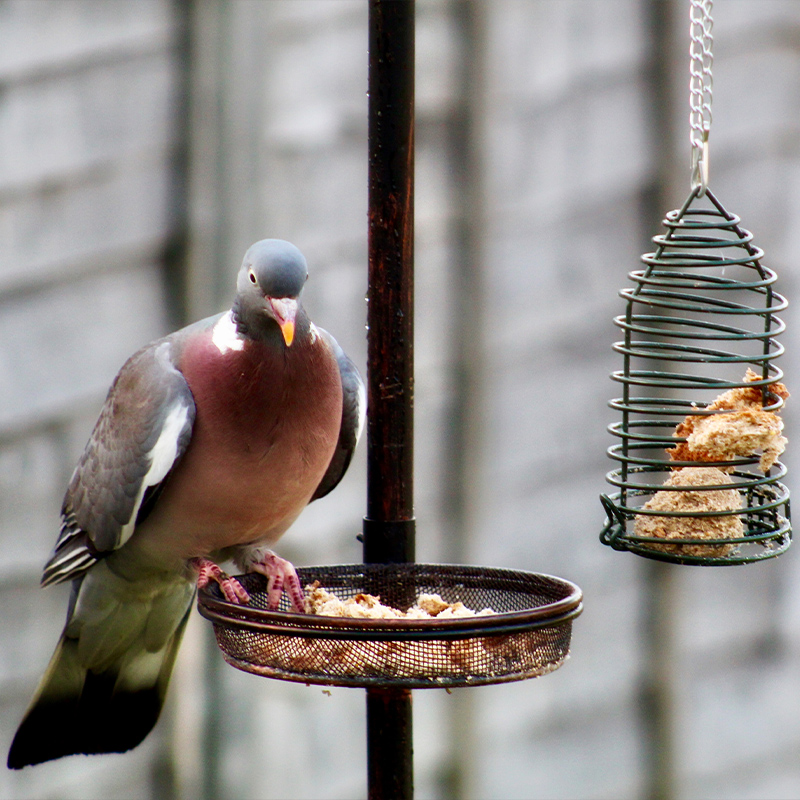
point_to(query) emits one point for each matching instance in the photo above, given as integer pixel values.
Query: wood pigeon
(211, 442)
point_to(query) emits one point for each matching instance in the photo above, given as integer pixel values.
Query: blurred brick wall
(570, 161)
(87, 130)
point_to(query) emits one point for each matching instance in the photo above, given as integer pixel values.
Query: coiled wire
(699, 314)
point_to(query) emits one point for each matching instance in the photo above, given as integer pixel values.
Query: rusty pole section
(389, 523)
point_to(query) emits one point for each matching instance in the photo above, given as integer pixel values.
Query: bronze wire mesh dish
(527, 637)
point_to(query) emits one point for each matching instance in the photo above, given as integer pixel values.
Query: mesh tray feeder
(528, 636)
(698, 316)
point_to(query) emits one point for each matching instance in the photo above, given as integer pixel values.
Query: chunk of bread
(369, 606)
(740, 428)
(694, 498)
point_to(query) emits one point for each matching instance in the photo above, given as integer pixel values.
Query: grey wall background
(147, 143)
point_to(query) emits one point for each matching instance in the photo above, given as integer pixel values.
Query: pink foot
(208, 571)
(281, 577)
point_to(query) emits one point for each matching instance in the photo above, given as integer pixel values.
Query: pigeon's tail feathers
(110, 709)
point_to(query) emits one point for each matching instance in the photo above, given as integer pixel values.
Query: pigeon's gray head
(270, 281)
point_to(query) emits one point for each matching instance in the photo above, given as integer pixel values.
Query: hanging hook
(700, 163)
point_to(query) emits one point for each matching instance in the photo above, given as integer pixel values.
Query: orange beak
(284, 310)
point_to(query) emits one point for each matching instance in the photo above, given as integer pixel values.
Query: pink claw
(208, 571)
(281, 577)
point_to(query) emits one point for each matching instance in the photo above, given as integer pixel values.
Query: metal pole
(389, 523)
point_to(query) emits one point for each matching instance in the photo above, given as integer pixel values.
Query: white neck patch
(225, 336)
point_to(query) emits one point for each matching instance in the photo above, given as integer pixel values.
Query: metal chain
(700, 88)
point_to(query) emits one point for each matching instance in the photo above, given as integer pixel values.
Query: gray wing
(354, 408)
(143, 430)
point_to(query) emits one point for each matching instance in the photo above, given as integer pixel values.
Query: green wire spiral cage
(700, 313)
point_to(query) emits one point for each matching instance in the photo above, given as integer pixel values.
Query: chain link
(700, 88)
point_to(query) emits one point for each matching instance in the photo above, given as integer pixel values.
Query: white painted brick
(35, 37)
(594, 757)
(52, 232)
(539, 50)
(265, 724)
(31, 625)
(311, 102)
(31, 490)
(290, 18)
(774, 778)
(321, 193)
(126, 775)
(587, 145)
(736, 710)
(744, 17)
(768, 78)
(436, 56)
(66, 343)
(74, 122)
(568, 155)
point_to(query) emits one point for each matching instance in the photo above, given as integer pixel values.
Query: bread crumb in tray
(368, 606)
(429, 660)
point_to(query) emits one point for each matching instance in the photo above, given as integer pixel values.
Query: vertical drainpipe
(389, 522)
(198, 689)
(464, 441)
(660, 589)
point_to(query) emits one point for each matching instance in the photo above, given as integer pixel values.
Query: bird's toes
(208, 571)
(234, 591)
(281, 577)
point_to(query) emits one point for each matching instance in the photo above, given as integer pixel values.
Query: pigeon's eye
(252, 277)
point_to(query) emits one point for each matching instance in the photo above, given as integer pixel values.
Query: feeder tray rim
(427, 630)
(289, 623)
